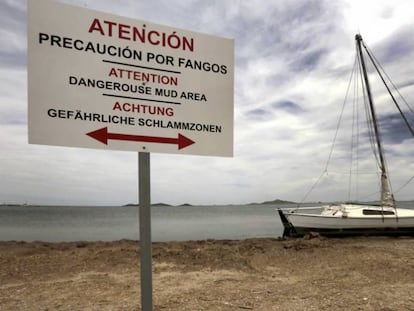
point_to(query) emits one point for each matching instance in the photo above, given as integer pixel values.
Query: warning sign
(97, 80)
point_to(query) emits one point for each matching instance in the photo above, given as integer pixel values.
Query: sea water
(169, 223)
(109, 223)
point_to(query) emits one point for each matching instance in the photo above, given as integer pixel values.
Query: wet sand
(375, 273)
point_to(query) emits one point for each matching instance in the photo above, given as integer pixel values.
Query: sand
(375, 273)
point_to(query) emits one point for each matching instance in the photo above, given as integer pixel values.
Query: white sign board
(97, 80)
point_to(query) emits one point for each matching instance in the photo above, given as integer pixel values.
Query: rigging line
(354, 112)
(399, 109)
(389, 91)
(386, 196)
(369, 121)
(369, 125)
(371, 136)
(389, 79)
(357, 141)
(368, 118)
(369, 195)
(341, 114)
(354, 171)
(346, 172)
(401, 96)
(313, 187)
(405, 184)
(325, 171)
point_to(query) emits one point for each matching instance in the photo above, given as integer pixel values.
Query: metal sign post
(145, 230)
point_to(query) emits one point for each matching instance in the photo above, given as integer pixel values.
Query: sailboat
(383, 218)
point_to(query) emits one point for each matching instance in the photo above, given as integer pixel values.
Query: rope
(325, 171)
(389, 79)
(405, 184)
(389, 91)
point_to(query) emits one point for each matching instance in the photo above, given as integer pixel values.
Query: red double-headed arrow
(102, 135)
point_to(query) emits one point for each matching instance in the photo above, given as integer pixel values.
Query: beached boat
(385, 218)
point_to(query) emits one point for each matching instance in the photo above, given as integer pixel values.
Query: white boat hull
(350, 220)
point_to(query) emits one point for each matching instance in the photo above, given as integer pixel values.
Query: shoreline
(358, 273)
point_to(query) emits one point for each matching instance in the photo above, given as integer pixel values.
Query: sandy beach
(375, 273)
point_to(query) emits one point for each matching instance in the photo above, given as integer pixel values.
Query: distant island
(276, 201)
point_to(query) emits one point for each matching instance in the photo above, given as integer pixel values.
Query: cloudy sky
(293, 60)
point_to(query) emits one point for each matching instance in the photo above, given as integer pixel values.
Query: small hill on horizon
(276, 201)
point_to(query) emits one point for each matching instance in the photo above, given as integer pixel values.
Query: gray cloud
(12, 34)
(258, 113)
(308, 61)
(394, 130)
(13, 15)
(288, 106)
(13, 60)
(396, 46)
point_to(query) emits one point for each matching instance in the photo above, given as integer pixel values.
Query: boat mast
(386, 195)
